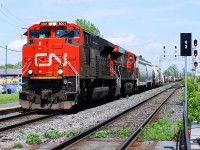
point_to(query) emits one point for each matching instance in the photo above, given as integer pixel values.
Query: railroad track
(16, 121)
(134, 119)
(17, 116)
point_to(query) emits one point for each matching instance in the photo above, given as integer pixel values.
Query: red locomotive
(64, 65)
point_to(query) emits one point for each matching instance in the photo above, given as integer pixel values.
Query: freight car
(64, 65)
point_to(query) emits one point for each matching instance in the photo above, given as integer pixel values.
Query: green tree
(87, 25)
(18, 64)
(10, 66)
(172, 71)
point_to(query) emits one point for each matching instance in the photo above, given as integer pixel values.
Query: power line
(10, 22)
(10, 49)
(8, 19)
(14, 16)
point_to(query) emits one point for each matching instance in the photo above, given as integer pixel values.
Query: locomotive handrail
(112, 70)
(74, 70)
(118, 81)
(26, 65)
(118, 77)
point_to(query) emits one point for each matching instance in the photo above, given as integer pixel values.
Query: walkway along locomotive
(64, 65)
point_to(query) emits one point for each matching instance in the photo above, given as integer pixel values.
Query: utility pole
(186, 47)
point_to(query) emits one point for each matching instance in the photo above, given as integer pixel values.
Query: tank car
(143, 74)
(159, 78)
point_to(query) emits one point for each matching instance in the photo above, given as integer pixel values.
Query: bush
(193, 101)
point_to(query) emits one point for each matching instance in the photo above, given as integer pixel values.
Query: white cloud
(16, 44)
(122, 39)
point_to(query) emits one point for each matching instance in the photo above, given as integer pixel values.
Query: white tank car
(144, 73)
(156, 79)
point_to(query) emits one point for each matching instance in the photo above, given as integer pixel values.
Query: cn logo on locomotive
(38, 61)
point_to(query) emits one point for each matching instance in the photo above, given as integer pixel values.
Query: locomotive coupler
(46, 97)
(45, 94)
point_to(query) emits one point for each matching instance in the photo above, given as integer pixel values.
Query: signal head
(195, 53)
(195, 43)
(195, 64)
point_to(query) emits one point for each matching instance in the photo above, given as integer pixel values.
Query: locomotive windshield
(67, 33)
(39, 34)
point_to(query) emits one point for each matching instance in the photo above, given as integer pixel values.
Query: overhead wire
(11, 18)
(10, 22)
(10, 49)
(12, 14)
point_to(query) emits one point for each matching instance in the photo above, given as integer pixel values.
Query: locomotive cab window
(39, 34)
(67, 34)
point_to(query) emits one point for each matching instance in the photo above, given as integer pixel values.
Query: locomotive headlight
(30, 72)
(54, 23)
(50, 23)
(60, 71)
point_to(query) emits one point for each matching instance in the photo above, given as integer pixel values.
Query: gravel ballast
(79, 121)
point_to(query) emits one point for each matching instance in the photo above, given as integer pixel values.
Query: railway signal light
(195, 53)
(195, 43)
(195, 64)
(186, 44)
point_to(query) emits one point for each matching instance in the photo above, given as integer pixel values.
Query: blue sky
(140, 26)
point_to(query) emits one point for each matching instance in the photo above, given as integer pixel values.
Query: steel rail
(89, 131)
(134, 134)
(27, 122)
(17, 116)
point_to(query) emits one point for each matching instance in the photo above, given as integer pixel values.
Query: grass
(170, 113)
(21, 131)
(124, 133)
(17, 145)
(161, 130)
(53, 134)
(121, 132)
(33, 138)
(72, 133)
(103, 133)
(9, 98)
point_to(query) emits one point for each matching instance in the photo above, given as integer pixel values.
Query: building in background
(13, 76)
